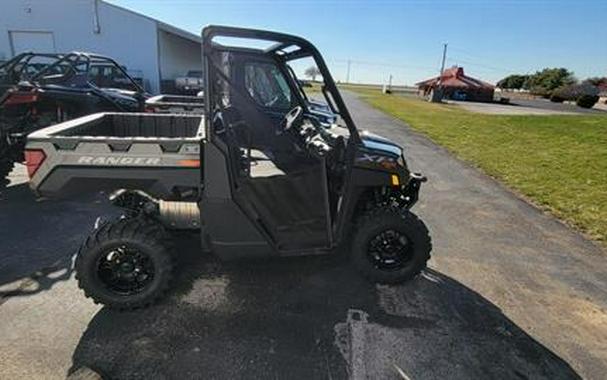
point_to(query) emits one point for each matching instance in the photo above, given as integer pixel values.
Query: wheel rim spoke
(389, 250)
(125, 270)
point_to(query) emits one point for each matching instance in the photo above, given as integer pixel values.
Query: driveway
(527, 107)
(559, 107)
(510, 293)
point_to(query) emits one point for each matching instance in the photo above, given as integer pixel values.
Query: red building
(458, 86)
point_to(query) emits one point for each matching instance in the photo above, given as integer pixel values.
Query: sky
(404, 39)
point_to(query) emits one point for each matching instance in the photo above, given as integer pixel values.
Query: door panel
(277, 184)
(291, 206)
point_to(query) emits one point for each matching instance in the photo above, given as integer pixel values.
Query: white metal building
(148, 48)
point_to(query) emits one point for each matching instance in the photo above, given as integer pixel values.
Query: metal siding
(126, 36)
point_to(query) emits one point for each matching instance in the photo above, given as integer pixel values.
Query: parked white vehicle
(191, 83)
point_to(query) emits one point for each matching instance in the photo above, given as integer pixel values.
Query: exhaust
(172, 214)
(179, 215)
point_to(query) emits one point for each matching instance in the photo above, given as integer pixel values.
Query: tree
(312, 72)
(546, 81)
(597, 81)
(513, 82)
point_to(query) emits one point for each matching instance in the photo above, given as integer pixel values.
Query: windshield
(319, 101)
(108, 76)
(311, 87)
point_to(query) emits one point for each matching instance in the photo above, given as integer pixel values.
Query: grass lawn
(559, 162)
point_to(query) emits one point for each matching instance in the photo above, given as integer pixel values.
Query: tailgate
(75, 163)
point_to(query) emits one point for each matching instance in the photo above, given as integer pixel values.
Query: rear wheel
(125, 264)
(390, 245)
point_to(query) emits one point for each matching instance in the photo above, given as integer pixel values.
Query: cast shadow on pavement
(39, 281)
(285, 319)
(39, 237)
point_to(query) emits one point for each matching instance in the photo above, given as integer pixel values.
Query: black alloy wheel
(389, 250)
(125, 270)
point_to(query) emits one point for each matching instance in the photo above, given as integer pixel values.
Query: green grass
(559, 162)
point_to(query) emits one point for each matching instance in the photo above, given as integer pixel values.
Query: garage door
(39, 42)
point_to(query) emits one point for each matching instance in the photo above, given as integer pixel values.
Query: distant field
(357, 86)
(559, 162)
(361, 87)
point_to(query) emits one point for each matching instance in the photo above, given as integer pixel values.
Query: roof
(455, 77)
(179, 32)
(162, 25)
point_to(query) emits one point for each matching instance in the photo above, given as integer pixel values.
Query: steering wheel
(294, 116)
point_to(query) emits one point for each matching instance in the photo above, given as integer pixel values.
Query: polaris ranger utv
(257, 175)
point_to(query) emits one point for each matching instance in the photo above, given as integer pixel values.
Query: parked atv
(19, 68)
(22, 67)
(74, 85)
(257, 175)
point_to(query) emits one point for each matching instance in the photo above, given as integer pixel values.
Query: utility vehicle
(189, 84)
(74, 85)
(257, 175)
(23, 66)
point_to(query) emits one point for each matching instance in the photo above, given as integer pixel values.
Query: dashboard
(318, 141)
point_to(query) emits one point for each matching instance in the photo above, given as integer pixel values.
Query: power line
(466, 52)
(384, 64)
(477, 61)
(494, 68)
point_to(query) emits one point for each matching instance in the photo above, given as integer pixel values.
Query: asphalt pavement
(527, 107)
(510, 293)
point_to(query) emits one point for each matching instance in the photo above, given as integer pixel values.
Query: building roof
(162, 25)
(455, 77)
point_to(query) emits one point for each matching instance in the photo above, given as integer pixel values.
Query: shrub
(587, 101)
(556, 98)
(574, 91)
(513, 82)
(540, 91)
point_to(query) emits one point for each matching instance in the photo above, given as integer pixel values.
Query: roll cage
(80, 63)
(284, 48)
(284, 178)
(13, 69)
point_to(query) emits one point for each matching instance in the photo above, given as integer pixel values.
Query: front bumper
(411, 189)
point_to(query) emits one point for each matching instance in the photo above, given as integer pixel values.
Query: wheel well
(381, 196)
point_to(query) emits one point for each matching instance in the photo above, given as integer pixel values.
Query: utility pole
(442, 66)
(437, 93)
(348, 72)
(387, 89)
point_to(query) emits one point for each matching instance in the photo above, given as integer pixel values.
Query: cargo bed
(155, 153)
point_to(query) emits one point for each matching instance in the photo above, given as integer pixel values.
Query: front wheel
(390, 245)
(125, 264)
